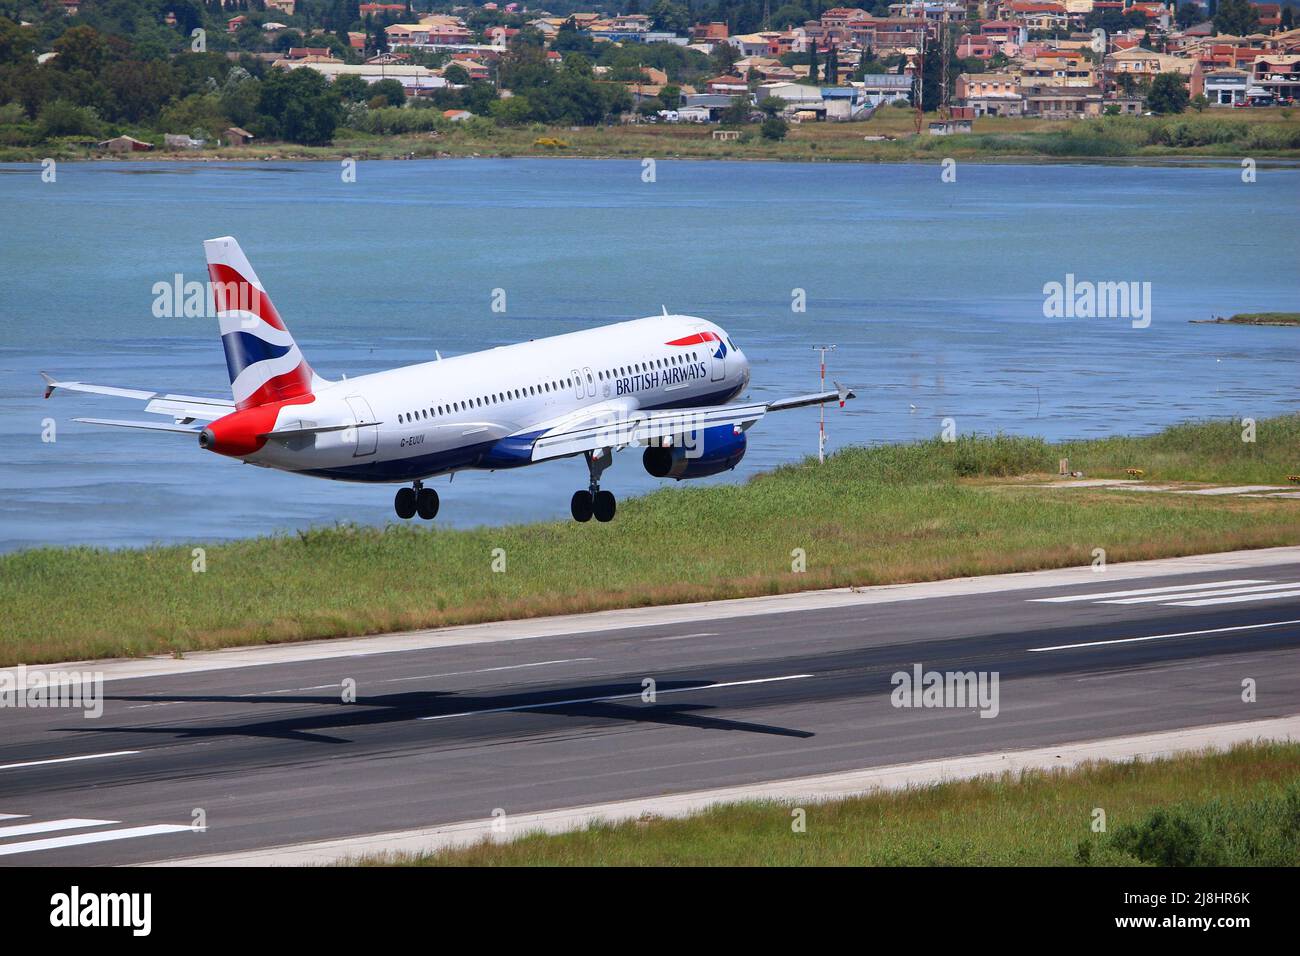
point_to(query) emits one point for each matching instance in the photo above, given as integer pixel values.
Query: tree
(391, 90)
(1168, 94)
(1189, 14)
(832, 66)
(1288, 18)
(61, 118)
(771, 105)
(456, 74)
(774, 128)
(812, 63)
(724, 58)
(16, 43)
(298, 105)
(81, 48)
(1236, 17)
(789, 15)
(351, 87)
(670, 16)
(137, 91)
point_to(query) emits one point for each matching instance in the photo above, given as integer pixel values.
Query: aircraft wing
(619, 426)
(183, 409)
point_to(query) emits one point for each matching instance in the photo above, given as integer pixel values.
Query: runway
(518, 718)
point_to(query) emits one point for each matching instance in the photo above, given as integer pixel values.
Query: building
(1279, 75)
(1147, 64)
(181, 141)
(1061, 102)
(414, 79)
(991, 94)
(950, 127)
(878, 88)
(125, 144)
(1226, 87)
(237, 137)
(1058, 71)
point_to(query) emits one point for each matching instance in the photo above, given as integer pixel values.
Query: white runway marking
(71, 823)
(596, 700)
(493, 670)
(42, 763)
(684, 637)
(1172, 590)
(1237, 600)
(13, 816)
(1158, 637)
(1173, 598)
(81, 839)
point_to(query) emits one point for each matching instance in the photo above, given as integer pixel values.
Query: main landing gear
(416, 499)
(593, 502)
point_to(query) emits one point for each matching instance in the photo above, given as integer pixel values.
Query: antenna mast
(821, 425)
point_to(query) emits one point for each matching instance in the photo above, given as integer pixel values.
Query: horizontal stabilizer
(180, 407)
(841, 395)
(147, 426)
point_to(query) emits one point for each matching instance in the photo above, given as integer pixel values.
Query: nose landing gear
(593, 502)
(416, 500)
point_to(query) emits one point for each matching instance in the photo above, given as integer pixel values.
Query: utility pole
(821, 426)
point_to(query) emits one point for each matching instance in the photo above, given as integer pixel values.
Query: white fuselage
(463, 412)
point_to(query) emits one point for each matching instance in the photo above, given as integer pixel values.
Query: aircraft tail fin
(264, 361)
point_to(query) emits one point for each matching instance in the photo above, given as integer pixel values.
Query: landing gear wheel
(581, 506)
(603, 506)
(404, 502)
(426, 503)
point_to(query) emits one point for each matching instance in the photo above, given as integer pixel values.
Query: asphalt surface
(272, 755)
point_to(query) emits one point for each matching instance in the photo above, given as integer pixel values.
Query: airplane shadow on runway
(317, 727)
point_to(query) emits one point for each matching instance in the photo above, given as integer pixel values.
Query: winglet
(50, 384)
(845, 393)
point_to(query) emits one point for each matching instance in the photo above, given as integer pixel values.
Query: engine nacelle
(716, 450)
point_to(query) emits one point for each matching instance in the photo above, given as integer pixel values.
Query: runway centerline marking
(1159, 637)
(493, 670)
(544, 705)
(43, 763)
(683, 637)
(1172, 589)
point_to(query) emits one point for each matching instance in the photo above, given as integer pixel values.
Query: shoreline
(1194, 161)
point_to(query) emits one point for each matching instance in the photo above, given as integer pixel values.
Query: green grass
(1237, 808)
(886, 515)
(1266, 318)
(1260, 133)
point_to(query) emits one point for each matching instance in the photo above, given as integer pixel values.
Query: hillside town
(509, 64)
(1048, 58)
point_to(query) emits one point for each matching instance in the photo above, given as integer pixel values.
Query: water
(931, 290)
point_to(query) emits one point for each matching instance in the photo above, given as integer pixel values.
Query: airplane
(666, 383)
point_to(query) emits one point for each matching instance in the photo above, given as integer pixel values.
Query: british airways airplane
(666, 383)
